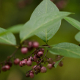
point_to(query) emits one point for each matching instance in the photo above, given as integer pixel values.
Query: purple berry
(29, 63)
(43, 69)
(16, 61)
(35, 44)
(24, 50)
(49, 66)
(40, 53)
(31, 75)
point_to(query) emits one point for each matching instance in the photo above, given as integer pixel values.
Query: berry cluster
(37, 57)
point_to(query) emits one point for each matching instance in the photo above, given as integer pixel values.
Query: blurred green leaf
(77, 37)
(7, 38)
(73, 22)
(13, 29)
(66, 49)
(56, 64)
(45, 7)
(36, 25)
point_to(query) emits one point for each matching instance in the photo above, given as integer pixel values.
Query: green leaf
(77, 37)
(13, 29)
(56, 64)
(66, 49)
(35, 26)
(7, 38)
(73, 22)
(45, 7)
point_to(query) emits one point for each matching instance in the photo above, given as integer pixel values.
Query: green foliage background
(11, 14)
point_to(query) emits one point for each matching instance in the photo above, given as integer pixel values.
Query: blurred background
(14, 12)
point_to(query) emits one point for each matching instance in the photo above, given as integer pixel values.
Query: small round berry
(53, 64)
(35, 58)
(24, 62)
(29, 63)
(61, 63)
(31, 75)
(7, 67)
(27, 75)
(24, 50)
(40, 53)
(30, 44)
(9, 63)
(42, 50)
(31, 58)
(20, 63)
(31, 72)
(35, 44)
(36, 67)
(3, 68)
(50, 60)
(16, 61)
(49, 66)
(43, 69)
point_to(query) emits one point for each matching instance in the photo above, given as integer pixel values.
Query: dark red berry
(35, 58)
(35, 44)
(16, 61)
(53, 64)
(40, 53)
(43, 69)
(42, 50)
(27, 75)
(31, 58)
(7, 67)
(61, 63)
(30, 44)
(3, 68)
(24, 62)
(31, 75)
(50, 60)
(20, 63)
(9, 63)
(29, 63)
(24, 50)
(49, 66)
(31, 72)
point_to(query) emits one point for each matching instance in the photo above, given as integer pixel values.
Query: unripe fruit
(43, 69)
(24, 50)
(16, 61)
(40, 53)
(29, 63)
(49, 66)
(31, 75)
(35, 44)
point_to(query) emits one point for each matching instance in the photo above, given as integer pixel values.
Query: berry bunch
(37, 57)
